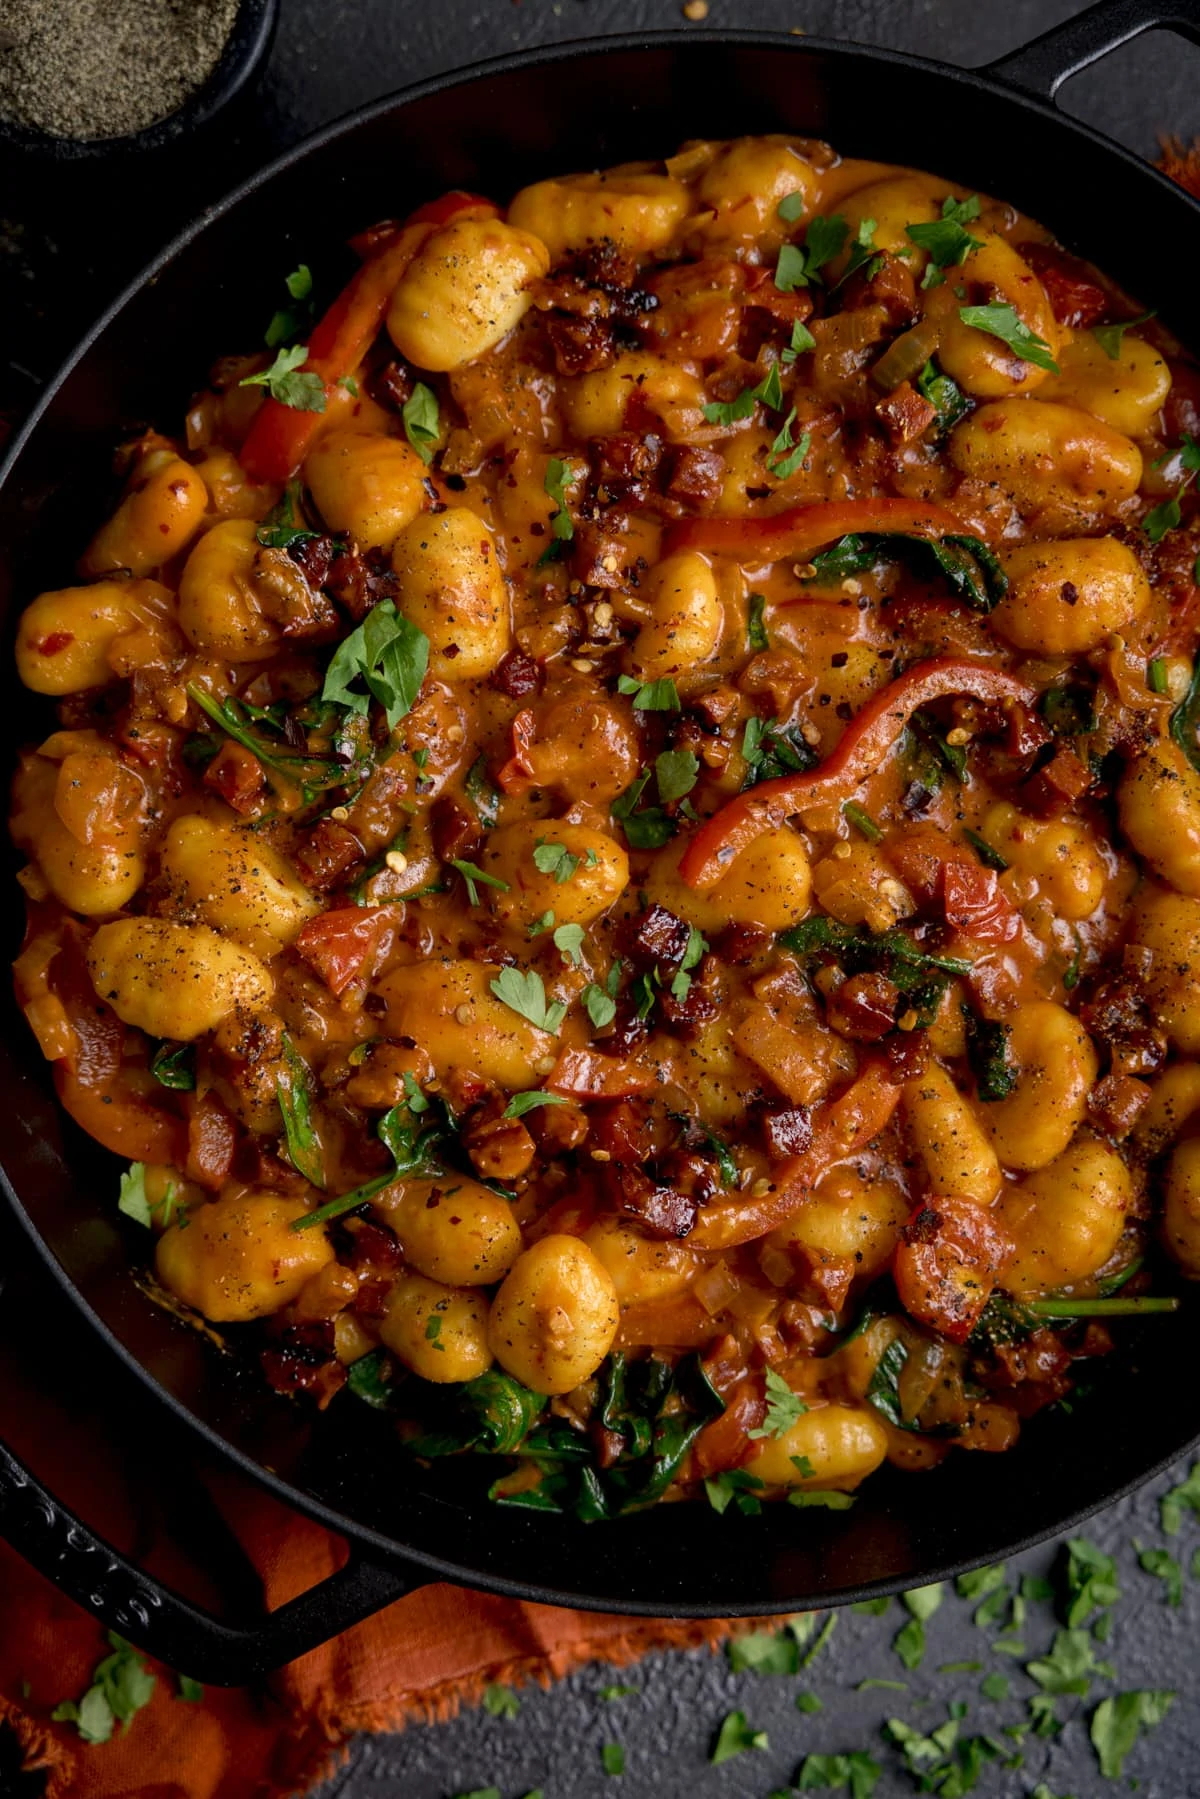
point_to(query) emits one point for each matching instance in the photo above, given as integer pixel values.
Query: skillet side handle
(188, 1639)
(1042, 66)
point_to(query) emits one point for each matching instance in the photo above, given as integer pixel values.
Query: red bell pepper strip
(798, 532)
(95, 1082)
(278, 440)
(871, 734)
(447, 209)
(841, 1128)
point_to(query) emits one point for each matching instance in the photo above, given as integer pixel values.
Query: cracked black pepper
(105, 68)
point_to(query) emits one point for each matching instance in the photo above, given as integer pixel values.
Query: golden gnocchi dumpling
(1047, 455)
(366, 484)
(238, 1257)
(67, 639)
(451, 1010)
(549, 865)
(630, 207)
(555, 1318)
(174, 980)
(465, 289)
(232, 878)
(1070, 596)
(440, 1332)
(450, 586)
(158, 517)
(452, 1229)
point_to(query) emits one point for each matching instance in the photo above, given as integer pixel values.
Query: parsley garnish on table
(1047, 1680)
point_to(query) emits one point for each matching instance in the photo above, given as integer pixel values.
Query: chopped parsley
(756, 629)
(802, 340)
(520, 1103)
(947, 240)
(1118, 1721)
(1168, 514)
(559, 475)
(784, 1408)
(824, 240)
(284, 381)
(569, 939)
(121, 1685)
(909, 1641)
(731, 412)
(555, 859)
(1176, 1500)
(769, 751)
(786, 454)
(1110, 337)
(612, 1758)
(645, 827)
(1001, 320)
(600, 1003)
(472, 874)
(501, 1702)
(389, 655)
(1163, 1565)
(173, 1066)
(737, 1486)
(735, 1737)
(856, 1772)
(525, 994)
(650, 696)
(791, 207)
(675, 772)
(280, 529)
(421, 420)
(291, 319)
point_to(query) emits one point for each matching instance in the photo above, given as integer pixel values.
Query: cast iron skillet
(493, 129)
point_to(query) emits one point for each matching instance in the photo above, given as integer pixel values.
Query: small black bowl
(245, 47)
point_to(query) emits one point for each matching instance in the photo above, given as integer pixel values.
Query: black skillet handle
(1041, 67)
(155, 1619)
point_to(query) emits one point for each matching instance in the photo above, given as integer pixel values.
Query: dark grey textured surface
(65, 245)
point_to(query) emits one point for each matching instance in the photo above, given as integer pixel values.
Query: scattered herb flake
(1001, 320)
(501, 1702)
(784, 1408)
(524, 992)
(303, 392)
(735, 1737)
(472, 874)
(421, 421)
(520, 1103)
(1116, 1723)
(650, 696)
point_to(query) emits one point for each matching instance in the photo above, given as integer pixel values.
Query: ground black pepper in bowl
(97, 69)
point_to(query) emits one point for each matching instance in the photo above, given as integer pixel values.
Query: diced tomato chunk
(237, 775)
(946, 1267)
(347, 944)
(977, 905)
(1076, 297)
(212, 1140)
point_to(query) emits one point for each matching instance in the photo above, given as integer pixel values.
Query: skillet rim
(390, 1551)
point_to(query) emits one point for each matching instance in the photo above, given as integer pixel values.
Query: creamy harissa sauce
(621, 854)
